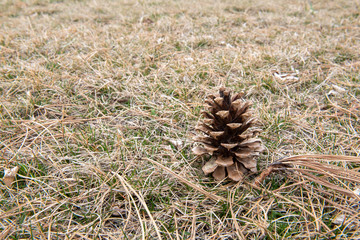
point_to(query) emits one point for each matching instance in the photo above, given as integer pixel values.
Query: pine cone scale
(219, 173)
(236, 172)
(234, 126)
(224, 161)
(229, 146)
(210, 166)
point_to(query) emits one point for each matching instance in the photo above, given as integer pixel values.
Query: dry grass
(99, 100)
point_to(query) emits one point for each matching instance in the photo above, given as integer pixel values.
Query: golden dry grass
(99, 100)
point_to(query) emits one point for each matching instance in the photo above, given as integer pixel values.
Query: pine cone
(223, 137)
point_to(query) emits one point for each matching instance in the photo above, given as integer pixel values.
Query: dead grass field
(99, 100)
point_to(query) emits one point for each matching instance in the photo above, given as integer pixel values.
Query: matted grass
(99, 100)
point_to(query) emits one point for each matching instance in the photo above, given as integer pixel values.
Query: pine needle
(331, 171)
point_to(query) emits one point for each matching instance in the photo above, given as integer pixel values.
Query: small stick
(272, 168)
(263, 175)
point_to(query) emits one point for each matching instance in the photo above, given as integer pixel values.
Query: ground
(99, 101)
